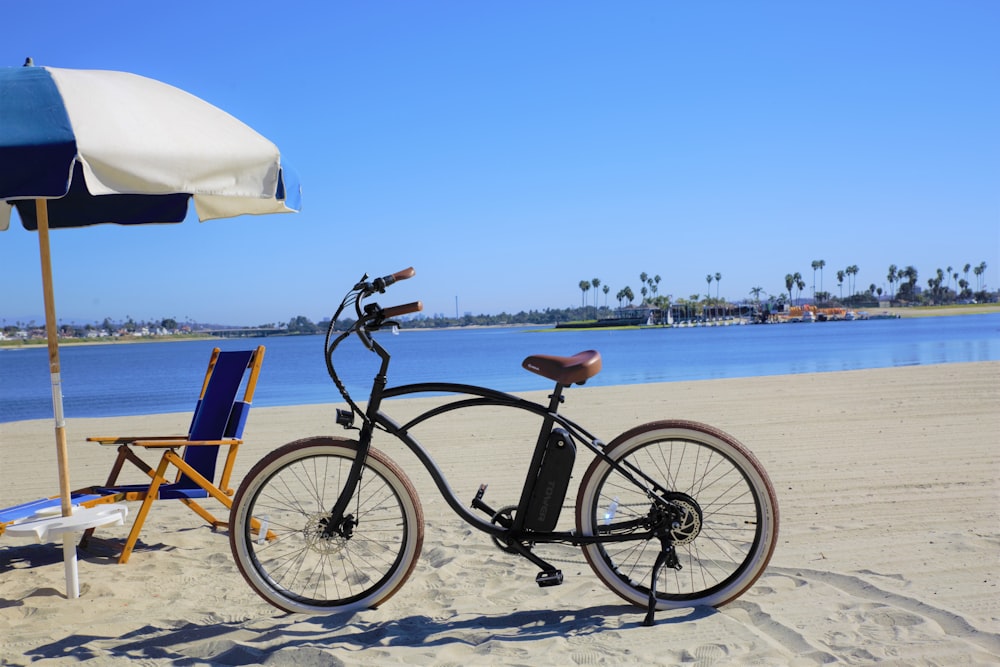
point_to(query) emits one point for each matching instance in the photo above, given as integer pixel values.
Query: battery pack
(551, 483)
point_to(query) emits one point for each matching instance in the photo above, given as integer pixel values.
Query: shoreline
(897, 311)
(944, 311)
(77, 342)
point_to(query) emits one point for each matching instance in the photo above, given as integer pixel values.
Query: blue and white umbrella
(85, 147)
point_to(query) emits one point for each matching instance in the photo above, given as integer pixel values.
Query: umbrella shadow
(97, 552)
(25, 556)
(352, 632)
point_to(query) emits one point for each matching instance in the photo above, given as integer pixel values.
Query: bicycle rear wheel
(279, 544)
(731, 518)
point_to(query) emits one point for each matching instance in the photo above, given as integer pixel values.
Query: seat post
(554, 400)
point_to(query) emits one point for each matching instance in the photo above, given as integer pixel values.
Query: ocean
(145, 378)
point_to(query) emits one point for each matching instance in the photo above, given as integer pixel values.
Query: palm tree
(852, 271)
(756, 293)
(708, 279)
(606, 289)
(892, 278)
(982, 276)
(910, 273)
(789, 284)
(821, 263)
(596, 282)
(801, 284)
(584, 286)
(815, 267)
(718, 279)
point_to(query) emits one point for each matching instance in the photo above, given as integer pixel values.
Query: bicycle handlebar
(370, 317)
(408, 272)
(395, 311)
(379, 284)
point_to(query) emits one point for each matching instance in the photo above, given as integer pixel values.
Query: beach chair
(217, 423)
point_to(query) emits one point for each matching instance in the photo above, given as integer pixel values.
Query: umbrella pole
(52, 336)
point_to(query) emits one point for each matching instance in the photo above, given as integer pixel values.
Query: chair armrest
(180, 442)
(126, 440)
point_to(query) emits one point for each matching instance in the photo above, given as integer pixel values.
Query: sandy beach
(889, 551)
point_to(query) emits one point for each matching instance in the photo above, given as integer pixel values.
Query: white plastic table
(46, 526)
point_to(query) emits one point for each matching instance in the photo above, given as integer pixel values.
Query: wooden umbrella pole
(52, 336)
(62, 454)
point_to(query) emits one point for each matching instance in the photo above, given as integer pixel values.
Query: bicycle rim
(278, 541)
(736, 517)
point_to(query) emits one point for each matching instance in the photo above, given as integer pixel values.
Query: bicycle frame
(488, 397)
(371, 320)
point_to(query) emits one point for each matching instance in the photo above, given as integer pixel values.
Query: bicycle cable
(366, 322)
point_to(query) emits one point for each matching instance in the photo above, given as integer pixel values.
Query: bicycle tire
(738, 515)
(279, 545)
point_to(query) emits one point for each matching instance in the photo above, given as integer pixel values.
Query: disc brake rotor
(316, 537)
(687, 526)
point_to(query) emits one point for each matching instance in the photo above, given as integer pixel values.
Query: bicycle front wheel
(276, 528)
(731, 515)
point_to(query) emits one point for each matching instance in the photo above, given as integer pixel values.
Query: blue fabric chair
(217, 423)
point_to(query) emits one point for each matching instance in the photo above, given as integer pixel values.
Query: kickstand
(666, 557)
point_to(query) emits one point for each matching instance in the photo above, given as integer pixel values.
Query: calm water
(144, 378)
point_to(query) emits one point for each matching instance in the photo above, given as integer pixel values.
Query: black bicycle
(669, 514)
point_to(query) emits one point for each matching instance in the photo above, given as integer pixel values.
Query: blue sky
(509, 150)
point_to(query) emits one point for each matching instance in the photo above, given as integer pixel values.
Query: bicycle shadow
(352, 632)
(517, 626)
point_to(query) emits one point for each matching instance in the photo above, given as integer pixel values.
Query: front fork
(338, 522)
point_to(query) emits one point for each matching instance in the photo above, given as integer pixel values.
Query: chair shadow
(352, 632)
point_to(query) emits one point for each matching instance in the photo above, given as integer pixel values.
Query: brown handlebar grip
(396, 311)
(404, 274)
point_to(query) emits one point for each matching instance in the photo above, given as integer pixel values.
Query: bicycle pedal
(549, 578)
(477, 502)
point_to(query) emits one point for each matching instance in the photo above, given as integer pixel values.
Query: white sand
(889, 549)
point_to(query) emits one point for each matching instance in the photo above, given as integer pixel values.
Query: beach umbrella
(85, 147)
